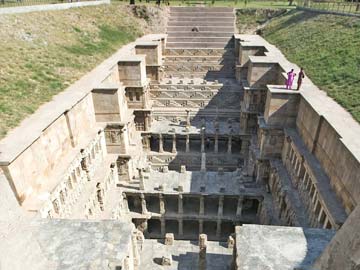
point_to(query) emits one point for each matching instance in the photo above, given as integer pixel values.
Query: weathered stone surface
(343, 250)
(278, 248)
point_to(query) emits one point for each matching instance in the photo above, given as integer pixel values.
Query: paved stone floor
(185, 255)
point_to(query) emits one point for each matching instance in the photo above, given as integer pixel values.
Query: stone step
(201, 9)
(170, 112)
(198, 45)
(201, 19)
(193, 67)
(203, 23)
(200, 34)
(199, 39)
(200, 62)
(218, 29)
(209, 75)
(195, 87)
(185, 16)
(199, 59)
(228, 52)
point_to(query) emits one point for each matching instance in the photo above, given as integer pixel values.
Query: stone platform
(279, 248)
(185, 255)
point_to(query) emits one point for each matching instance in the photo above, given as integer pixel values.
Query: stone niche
(132, 71)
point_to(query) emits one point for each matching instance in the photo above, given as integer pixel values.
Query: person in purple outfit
(290, 79)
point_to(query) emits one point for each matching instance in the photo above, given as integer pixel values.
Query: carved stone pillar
(162, 204)
(181, 231)
(201, 226)
(239, 207)
(218, 228)
(229, 144)
(221, 206)
(203, 162)
(161, 147)
(180, 204)
(216, 142)
(162, 228)
(187, 118)
(143, 205)
(125, 203)
(202, 251)
(146, 142)
(187, 143)
(202, 140)
(202, 207)
(85, 164)
(174, 144)
(136, 255)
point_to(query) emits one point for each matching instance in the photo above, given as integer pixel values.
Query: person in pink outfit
(290, 79)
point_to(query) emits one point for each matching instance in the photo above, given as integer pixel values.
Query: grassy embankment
(44, 52)
(327, 46)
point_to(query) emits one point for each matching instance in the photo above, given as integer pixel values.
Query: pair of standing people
(291, 76)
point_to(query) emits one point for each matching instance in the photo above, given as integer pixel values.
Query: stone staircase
(199, 67)
(200, 27)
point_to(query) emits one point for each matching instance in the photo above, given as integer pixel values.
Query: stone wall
(343, 251)
(57, 161)
(339, 163)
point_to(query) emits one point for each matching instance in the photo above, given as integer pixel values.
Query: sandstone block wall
(336, 159)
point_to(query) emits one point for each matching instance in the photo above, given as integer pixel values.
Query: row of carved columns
(187, 143)
(301, 178)
(162, 205)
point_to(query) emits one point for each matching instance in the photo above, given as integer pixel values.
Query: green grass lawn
(44, 52)
(328, 47)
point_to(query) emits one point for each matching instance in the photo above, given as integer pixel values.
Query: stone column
(174, 144)
(162, 204)
(239, 207)
(136, 255)
(201, 225)
(202, 140)
(147, 121)
(162, 224)
(161, 148)
(221, 206)
(146, 140)
(85, 165)
(216, 142)
(143, 205)
(229, 144)
(187, 143)
(181, 231)
(202, 251)
(203, 162)
(218, 228)
(125, 203)
(187, 119)
(201, 205)
(180, 204)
